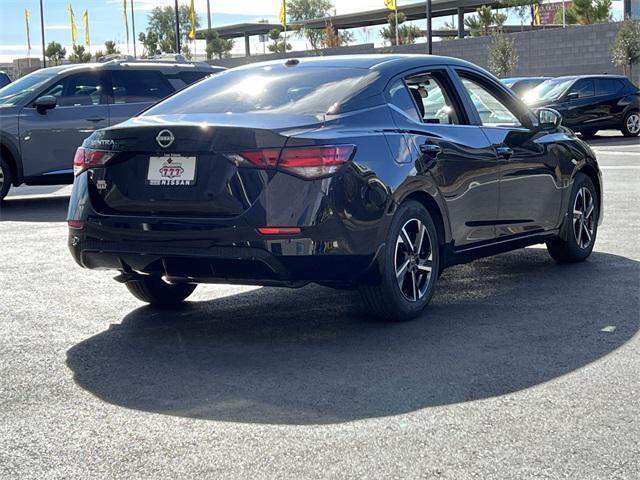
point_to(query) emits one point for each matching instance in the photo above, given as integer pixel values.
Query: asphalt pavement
(520, 368)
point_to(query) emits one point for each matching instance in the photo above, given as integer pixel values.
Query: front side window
(492, 110)
(584, 88)
(78, 89)
(139, 86)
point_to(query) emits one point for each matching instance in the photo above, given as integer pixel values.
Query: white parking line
(619, 167)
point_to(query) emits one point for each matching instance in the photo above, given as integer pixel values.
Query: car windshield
(23, 87)
(548, 90)
(305, 90)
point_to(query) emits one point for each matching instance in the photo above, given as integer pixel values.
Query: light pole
(208, 15)
(133, 27)
(44, 58)
(429, 30)
(177, 28)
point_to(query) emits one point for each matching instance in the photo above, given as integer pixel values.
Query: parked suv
(591, 102)
(46, 115)
(4, 79)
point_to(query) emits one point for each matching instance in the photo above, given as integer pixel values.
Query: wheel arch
(591, 172)
(12, 157)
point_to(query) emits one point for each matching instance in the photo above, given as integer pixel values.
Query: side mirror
(548, 118)
(44, 103)
(572, 95)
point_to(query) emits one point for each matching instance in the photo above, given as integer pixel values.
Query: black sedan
(369, 172)
(591, 103)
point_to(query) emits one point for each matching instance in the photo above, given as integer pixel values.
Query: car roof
(518, 79)
(603, 75)
(370, 61)
(133, 65)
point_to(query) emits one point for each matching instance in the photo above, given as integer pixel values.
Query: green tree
(299, 10)
(586, 12)
(217, 46)
(626, 49)
(503, 56)
(474, 25)
(110, 48)
(55, 53)
(486, 18)
(278, 45)
(407, 34)
(523, 8)
(160, 36)
(79, 55)
(499, 19)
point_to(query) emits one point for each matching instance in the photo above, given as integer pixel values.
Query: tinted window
(139, 86)
(432, 99)
(608, 86)
(4, 80)
(269, 89)
(399, 96)
(492, 110)
(584, 88)
(78, 89)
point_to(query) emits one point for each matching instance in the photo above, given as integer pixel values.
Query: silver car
(46, 115)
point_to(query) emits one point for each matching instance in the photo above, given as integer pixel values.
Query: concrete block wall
(579, 49)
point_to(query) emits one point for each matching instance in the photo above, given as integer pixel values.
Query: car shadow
(601, 140)
(314, 356)
(35, 209)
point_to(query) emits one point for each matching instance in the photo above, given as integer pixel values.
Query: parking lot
(521, 368)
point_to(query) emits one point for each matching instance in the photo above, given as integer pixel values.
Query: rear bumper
(284, 262)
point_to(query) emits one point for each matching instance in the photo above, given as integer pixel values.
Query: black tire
(588, 133)
(157, 292)
(631, 124)
(390, 299)
(5, 178)
(578, 246)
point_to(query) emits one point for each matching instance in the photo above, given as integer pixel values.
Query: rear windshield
(308, 90)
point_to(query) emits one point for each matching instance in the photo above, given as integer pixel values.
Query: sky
(106, 21)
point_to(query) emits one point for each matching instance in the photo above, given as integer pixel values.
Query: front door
(530, 185)
(49, 140)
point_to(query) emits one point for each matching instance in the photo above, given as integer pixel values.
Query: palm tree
(486, 18)
(473, 24)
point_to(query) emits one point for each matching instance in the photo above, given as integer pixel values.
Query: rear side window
(139, 86)
(608, 86)
(399, 96)
(434, 104)
(584, 88)
(276, 89)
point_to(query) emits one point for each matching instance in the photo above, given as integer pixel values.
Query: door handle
(431, 149)
(95, 119)
(504, 152)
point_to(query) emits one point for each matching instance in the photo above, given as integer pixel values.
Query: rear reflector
(307, 162)
(279, 230)
(76, 223)
(87, 158)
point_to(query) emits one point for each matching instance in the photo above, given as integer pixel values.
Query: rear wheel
(583, 217)
(631, 124)
(411, 266)
(5, 178)
(156, 291)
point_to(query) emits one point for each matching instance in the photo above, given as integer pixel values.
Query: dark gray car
(47, 114)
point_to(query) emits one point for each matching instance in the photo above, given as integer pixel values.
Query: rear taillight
(307, 162)
(87, 158)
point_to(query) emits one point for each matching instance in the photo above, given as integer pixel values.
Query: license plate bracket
(172, 170)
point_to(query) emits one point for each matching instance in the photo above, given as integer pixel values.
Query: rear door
(608, 93)
(49, 140)
(132, 91)
(457, 155)
(530, 188)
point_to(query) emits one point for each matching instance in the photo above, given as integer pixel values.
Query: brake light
(307, 162)
(279, 230)
(87, 158)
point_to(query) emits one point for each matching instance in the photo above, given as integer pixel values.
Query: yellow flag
(126, 23)
(85, 19)
(391, 4)
(74, 28)
(27, 16)
(536, 9)
(192, 33)
(283, 13)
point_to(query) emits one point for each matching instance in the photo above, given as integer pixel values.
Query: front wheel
(631, 124)
(5, 178)
(583, 227)
(157, 292)
(411, 263)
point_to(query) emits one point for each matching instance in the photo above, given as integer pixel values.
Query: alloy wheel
(633, 123)
(413, 260)
(584, 218)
